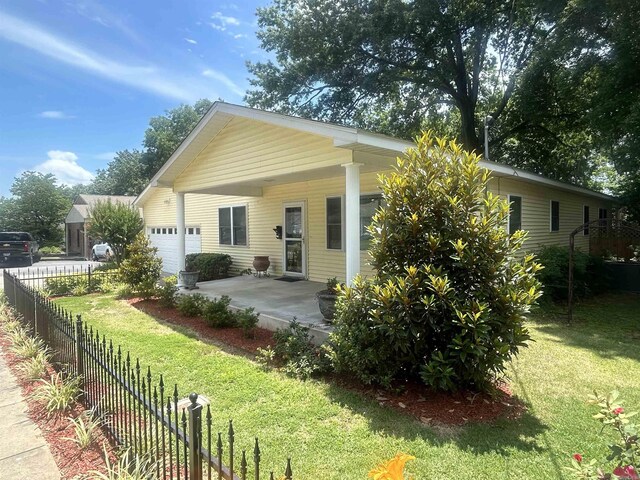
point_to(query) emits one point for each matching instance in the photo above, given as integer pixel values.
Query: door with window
(295, 260)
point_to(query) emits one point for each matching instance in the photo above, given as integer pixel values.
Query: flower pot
(188, 280)
(327, 304)
(261, 264)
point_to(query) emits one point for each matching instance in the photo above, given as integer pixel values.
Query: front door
(294, 247)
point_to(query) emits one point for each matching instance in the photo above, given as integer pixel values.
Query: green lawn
(331, 433)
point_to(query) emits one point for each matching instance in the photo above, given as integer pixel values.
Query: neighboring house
(77, 240)
(241, 173)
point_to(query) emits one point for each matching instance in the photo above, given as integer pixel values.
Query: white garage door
(165, 239)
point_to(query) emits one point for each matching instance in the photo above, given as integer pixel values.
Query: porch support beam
(180, 225)
(352, 220)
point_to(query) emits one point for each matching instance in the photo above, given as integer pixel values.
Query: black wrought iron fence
(64, 276)
(140, 414)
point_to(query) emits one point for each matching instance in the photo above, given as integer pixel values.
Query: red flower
(618, 411)
(578, 457)
(626, 473)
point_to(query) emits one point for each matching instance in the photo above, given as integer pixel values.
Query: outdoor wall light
(278, 231)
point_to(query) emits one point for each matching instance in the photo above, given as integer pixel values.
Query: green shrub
(216, 313)
(247, 319)
(78, 284)
(624, 454)
(449, 295)
(210, 265)
(589, 273)
(34, 368)
(191, 305)
(58, 394)
(167, 291)
(85, 428)
(142, 268)
(105, 267)
(51, 250)
(295, 352)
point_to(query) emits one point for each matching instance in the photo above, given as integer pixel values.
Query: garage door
(165, 239)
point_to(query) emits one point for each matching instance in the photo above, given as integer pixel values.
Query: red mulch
(57, 430)
(234, 337)
(430, 407)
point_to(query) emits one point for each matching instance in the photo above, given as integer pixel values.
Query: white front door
(295, 257)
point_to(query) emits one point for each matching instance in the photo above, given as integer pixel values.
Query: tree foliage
(450, 290)
(558, 77)
(115, 223)
(37, 206)
(166, 133)
(141, 269)
(124, 175)
(396, 61)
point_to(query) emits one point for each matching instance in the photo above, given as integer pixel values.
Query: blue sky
(79, 79)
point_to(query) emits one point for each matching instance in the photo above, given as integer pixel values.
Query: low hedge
(589, 273)
(210, 265)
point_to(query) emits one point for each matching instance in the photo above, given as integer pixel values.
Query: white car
(101, 251)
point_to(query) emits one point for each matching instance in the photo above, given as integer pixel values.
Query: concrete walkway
(24, 454)
(277, 302)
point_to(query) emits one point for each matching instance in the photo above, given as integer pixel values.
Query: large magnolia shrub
(142, 268)
(448, 299)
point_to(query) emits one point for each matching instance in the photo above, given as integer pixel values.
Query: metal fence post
(79, 353)
(36, 330)
(89, 279)
(195, 438)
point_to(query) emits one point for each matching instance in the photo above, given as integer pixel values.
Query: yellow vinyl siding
(536, 212)
(247, 150)
(264, 213)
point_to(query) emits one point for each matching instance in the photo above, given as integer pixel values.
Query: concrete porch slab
(277, 302)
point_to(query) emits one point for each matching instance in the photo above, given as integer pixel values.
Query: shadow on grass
(502, 436)
(608, 325)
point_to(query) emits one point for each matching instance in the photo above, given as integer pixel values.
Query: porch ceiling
(252, 187)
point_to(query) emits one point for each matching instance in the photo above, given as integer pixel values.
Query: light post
(488, 120)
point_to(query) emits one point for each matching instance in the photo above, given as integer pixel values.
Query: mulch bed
(429, 407)
(57, 430)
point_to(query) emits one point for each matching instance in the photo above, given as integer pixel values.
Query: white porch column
(180, 225)
(352, 220)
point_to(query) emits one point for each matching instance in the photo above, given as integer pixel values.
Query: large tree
(166, 133)
(38, 206)
(124, 175)
(393, 63)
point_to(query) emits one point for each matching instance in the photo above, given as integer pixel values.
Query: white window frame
(342, 224)
(365, 194)
(246, 215)
(551, 230)
(509, 216)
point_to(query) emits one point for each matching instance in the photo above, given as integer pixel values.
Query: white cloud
(55, 115)
(143, 77)
(239, 36)
(225, 20)
(223, 79)
(191, 41)
(65, 167)
(101, 15)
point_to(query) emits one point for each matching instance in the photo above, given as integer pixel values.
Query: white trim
(303, 240)
(343, 137)
(551, 230)
(246, 215)
(326, 239)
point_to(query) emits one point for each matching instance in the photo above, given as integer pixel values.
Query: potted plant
(188, 277)
(327, 299)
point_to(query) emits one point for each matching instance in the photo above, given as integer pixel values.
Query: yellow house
(243, 175)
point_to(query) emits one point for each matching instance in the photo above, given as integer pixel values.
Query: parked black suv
(18, 246)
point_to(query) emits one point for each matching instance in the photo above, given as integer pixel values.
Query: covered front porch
(277, 302)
